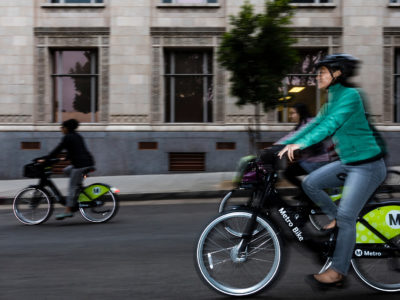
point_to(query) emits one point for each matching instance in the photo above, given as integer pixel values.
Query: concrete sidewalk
(157, 186)
(141, 187)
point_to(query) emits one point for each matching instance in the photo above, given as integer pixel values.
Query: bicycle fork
(241, 248)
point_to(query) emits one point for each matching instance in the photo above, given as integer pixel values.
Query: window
(188, 86)
(75, 85)
(396, 101)
(311, 1)
(394, 1)
(189, 1)
(301, 83)
(76, 1)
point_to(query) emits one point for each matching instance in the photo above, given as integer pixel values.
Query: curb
(176, 195)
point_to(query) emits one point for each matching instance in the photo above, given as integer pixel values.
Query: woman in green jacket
(343, 117)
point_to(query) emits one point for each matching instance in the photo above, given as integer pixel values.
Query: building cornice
(185, 31)
(391, 30)
(316, 31)
(393, 127)
(71, 31)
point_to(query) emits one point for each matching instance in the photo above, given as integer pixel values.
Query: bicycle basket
(33, 170)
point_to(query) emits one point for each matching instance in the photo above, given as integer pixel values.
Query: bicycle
(390, 188)
(33, 205)
(240, 252)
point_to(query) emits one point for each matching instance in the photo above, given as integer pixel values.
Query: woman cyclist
(80, 159)
(343, 117)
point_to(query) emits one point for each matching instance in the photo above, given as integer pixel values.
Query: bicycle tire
(32, 206)
(100, 208)
(226, 271)
(382, 274)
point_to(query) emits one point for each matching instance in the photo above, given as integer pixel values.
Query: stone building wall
(130, 37)
(16, 61)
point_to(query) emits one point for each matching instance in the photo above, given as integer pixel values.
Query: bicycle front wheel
(226, 270)
(100, 204)
(32, 206)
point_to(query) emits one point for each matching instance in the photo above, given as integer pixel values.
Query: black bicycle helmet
(346, 63)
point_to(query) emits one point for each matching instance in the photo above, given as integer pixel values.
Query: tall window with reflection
(301, 84)
(188, 86)
(75, 85)
(396, 99)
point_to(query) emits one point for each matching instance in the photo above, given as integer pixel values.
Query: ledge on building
(165, 31)
(188, 5)
(72, 31)
(394, 5)
(72, 5)
(313, 5)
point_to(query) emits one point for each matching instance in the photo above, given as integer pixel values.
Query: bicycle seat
(89, 170)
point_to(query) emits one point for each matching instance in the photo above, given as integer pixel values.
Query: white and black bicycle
(240, 252)
(97, 202)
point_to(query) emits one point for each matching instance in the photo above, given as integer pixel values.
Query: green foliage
(258, 52)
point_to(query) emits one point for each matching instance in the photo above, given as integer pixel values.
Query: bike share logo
(393, 219)
(359, 253)
(96, 190)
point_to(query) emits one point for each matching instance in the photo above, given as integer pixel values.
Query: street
(146, 252)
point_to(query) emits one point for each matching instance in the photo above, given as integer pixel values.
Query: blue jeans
(359, 185)
(311, 166)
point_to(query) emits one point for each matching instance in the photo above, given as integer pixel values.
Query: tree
(258, 52)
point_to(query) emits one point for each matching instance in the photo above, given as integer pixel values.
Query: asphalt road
(146, 252)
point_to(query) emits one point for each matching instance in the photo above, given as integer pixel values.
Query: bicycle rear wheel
(379, 273)
(229, 272)
(32, 206)
(102, 206)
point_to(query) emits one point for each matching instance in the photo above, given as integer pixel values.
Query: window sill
(394, 5)
(313, 5)
(72, 5)
(188, 5)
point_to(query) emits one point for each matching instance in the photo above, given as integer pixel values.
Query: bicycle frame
(46, 183)
(268, 199)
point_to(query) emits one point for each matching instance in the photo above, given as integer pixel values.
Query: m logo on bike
(96, 190)
(393, 219)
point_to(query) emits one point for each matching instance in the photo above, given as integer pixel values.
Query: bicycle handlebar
(49, 161)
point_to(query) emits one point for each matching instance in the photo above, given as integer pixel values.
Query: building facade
(143, 78)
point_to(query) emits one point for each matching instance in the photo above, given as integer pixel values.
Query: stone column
(362, 37)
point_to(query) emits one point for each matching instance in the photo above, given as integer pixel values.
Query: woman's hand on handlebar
(290, 151)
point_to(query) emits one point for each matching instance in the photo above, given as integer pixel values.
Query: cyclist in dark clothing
(80, 158)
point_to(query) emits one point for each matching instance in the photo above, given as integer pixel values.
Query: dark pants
(292, 172)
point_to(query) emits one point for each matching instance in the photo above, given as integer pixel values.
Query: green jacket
(342, 117)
